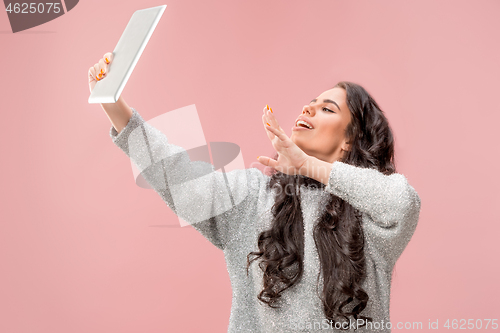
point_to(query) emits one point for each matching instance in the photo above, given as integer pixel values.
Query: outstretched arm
(213, 202)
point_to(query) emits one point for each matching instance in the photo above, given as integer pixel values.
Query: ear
(346, 146)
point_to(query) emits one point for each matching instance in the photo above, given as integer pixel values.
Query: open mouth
(303, 124)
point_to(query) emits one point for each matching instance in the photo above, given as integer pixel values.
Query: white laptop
(126, 54)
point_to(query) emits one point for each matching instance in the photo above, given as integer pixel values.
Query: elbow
(410, 200)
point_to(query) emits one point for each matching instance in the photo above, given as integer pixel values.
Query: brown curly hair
(338, 235)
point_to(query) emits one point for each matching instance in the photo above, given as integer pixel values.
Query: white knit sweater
(232, 209)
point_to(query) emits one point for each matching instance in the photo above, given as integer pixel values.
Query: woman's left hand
(291, 159)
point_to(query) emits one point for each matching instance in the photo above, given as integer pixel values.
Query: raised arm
(212, 202)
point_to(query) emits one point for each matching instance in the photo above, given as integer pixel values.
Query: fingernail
(258, 157)
(267, 106)
(268, 124)
(107, 60)
(102, 71)
(271, 110)
(100, 75)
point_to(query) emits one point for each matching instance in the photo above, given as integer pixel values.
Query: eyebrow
(327, 101)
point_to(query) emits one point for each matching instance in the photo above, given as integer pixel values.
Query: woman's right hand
(99, 70)
(119, 113)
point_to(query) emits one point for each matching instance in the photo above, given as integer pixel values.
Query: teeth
(304, 123)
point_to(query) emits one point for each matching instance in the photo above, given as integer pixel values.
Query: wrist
(317, 169)
(119, 113)
(307, 166)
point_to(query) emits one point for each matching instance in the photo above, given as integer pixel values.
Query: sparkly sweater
(231, 209)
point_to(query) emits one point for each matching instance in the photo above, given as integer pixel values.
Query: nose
(307, 109)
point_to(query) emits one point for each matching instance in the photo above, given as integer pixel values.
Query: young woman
(310, 247)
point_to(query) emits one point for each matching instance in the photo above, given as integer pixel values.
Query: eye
(328, 110)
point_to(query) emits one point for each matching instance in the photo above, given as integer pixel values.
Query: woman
(310, 247)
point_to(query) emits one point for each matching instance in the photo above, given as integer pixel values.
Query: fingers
(274, 121)
(271, 119)
(91, 74)
(282, 136)
(267, 161)
(270, 135)
(108, 57)
(100, 70)
(97, 69)
(266, 114)
(104, 64)
(265, 121)
(271, 124)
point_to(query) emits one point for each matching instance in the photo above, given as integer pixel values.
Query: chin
(297, 143)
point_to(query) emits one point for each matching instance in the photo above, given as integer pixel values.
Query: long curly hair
(338, 235)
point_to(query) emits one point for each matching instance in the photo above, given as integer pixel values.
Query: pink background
(83, 249)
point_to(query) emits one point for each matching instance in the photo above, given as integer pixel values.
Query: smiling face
(329, 116)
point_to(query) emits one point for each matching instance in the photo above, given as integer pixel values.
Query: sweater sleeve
(214, 203)
(390, 204)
